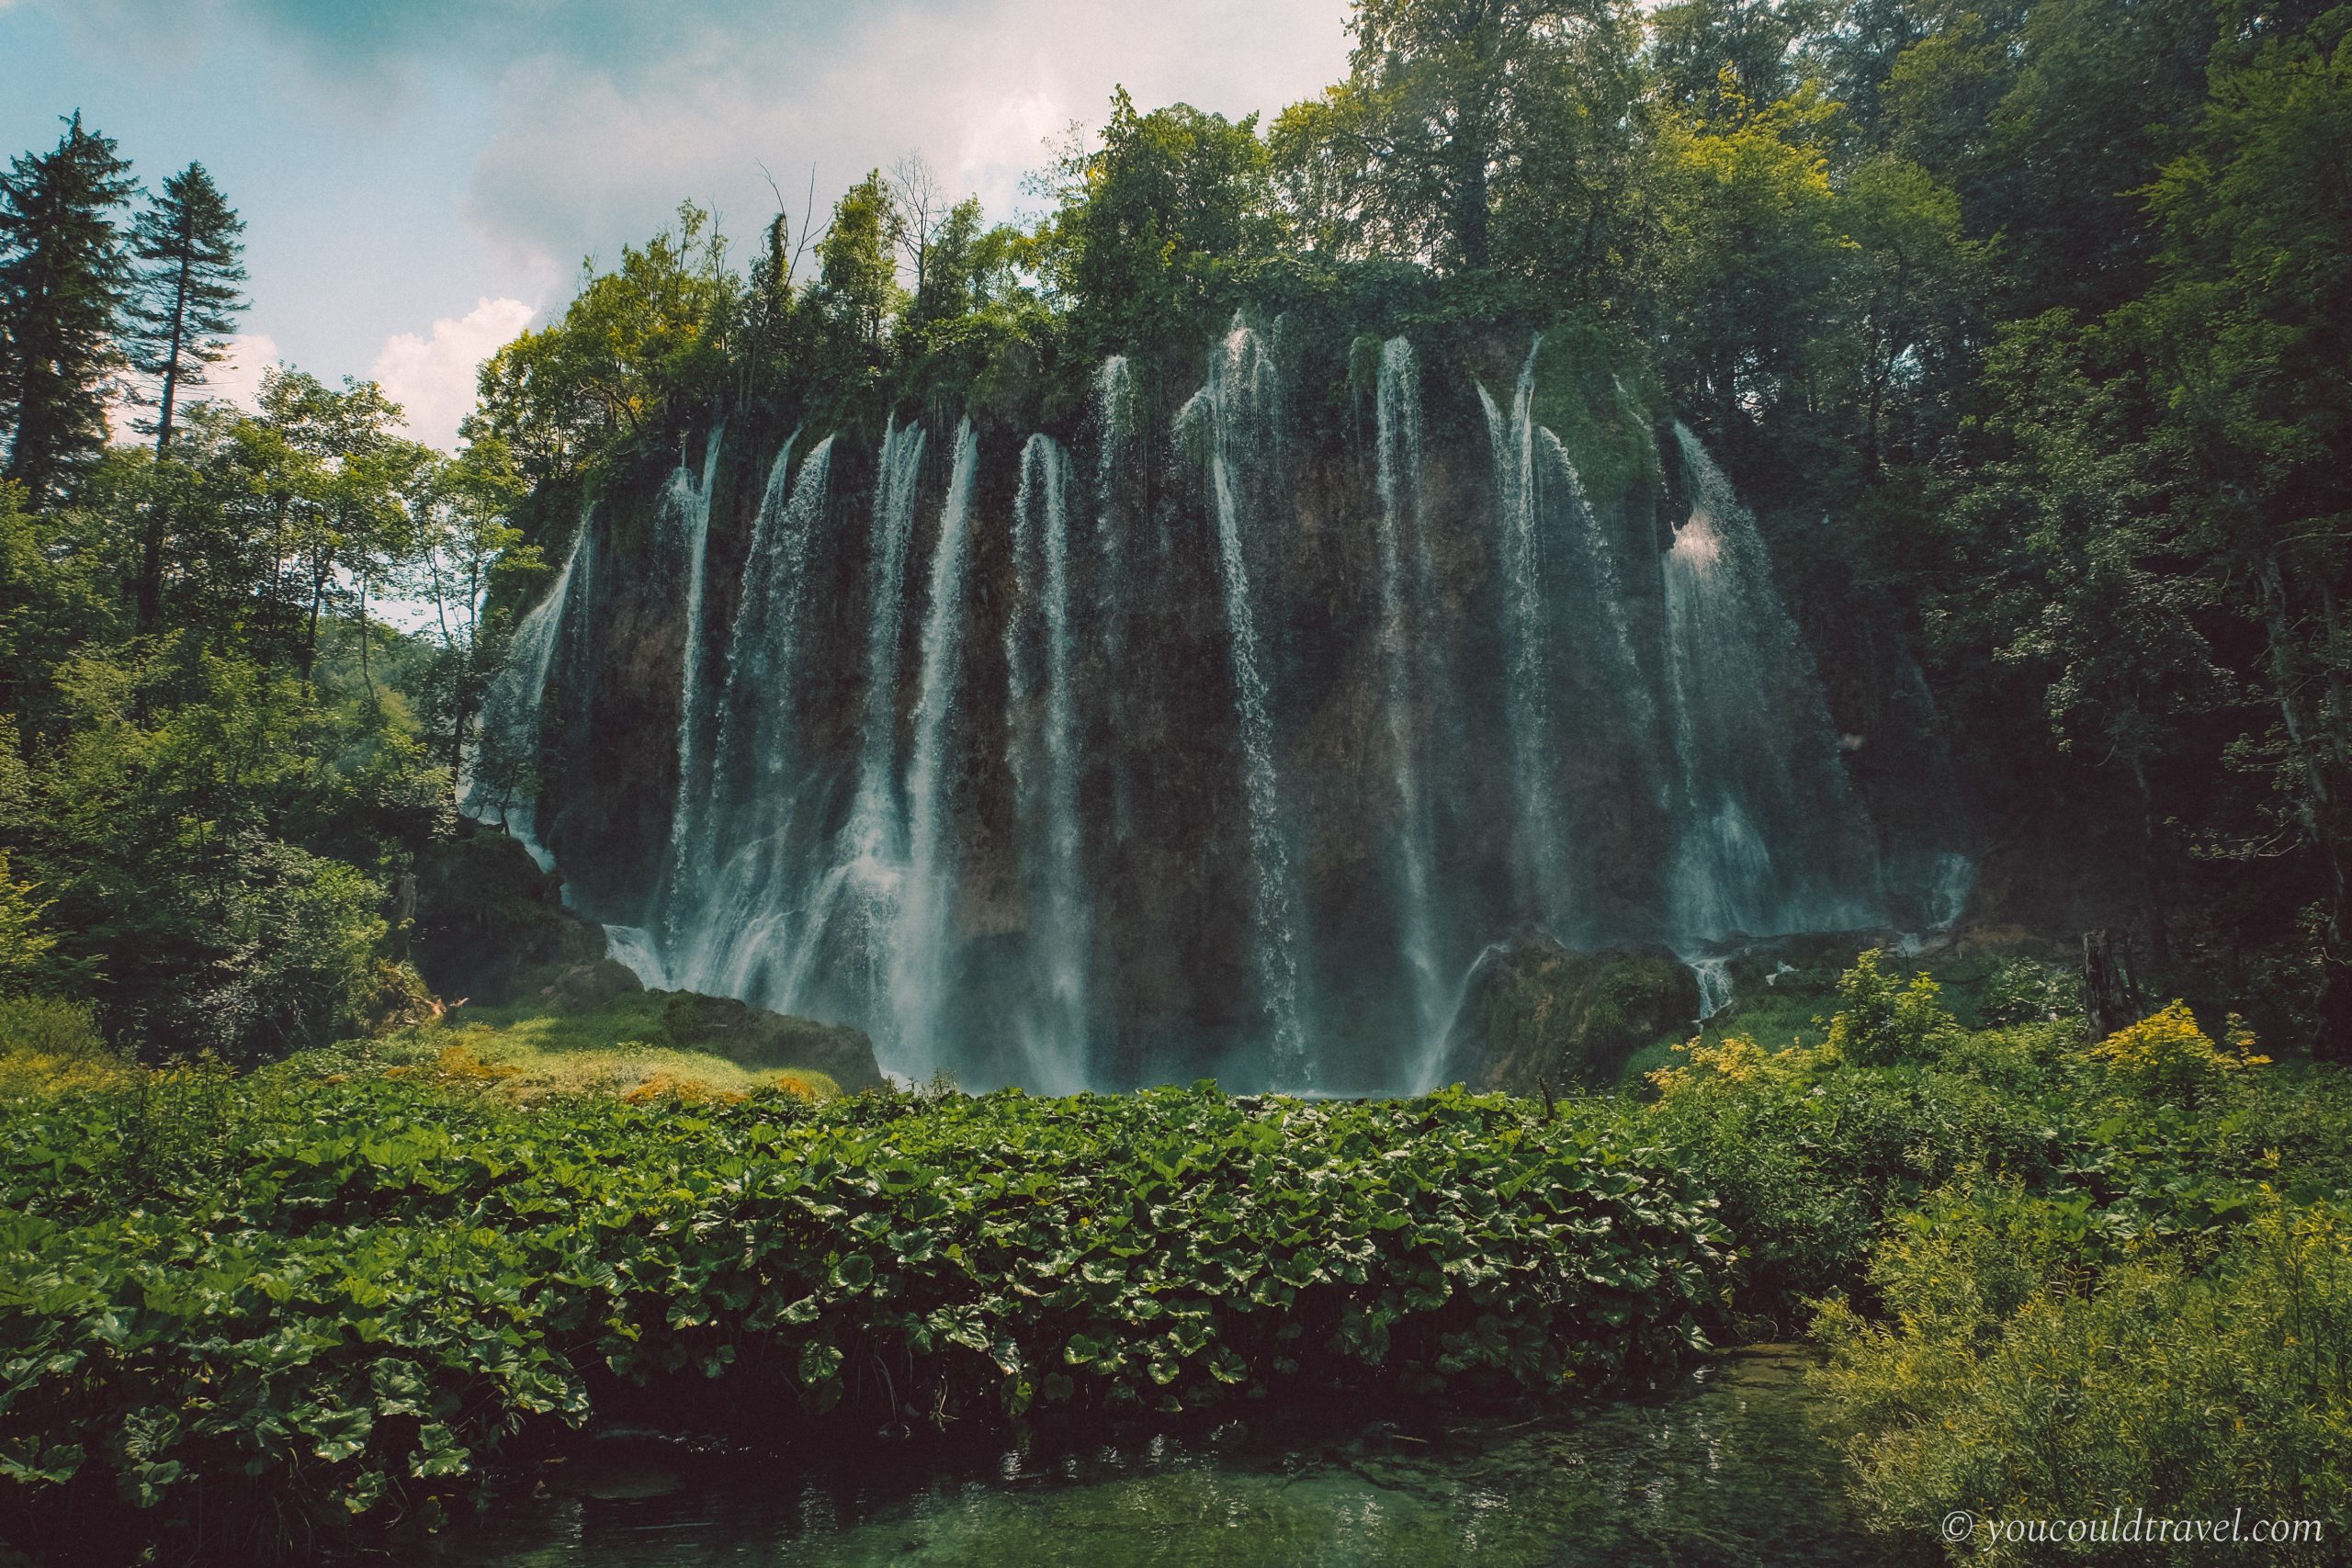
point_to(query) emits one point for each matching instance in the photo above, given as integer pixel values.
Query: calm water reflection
(1729, 1469)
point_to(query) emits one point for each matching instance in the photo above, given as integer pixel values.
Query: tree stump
(2110, 994)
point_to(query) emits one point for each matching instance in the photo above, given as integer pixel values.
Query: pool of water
(1732, 1467)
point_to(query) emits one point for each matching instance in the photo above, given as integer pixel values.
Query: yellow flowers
(1736, 1060)
(2166, 1054)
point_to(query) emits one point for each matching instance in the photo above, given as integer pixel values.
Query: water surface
(1730, 1468)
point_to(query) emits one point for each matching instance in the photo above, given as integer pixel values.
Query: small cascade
(1948, 890)
(1237, 414)
(1773, 838)
(499, 782)
(1405, 640)
(1512, 439)
(1043, 753)
(731, 926)
(686, 509)
(918, 959)
(1715, 984)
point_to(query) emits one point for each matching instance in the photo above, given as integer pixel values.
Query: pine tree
(64, 279)
(187, 300)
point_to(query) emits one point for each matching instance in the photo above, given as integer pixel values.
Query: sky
(421, 178)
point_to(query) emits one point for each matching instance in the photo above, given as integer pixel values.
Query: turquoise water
(1731, 1468)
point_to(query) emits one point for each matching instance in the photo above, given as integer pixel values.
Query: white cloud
(432, 378)
(584, 156)
(237, 378)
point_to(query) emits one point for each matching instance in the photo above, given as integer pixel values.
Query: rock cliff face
(1217, 725)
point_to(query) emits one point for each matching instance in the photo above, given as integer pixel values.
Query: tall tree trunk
(2317, 807)
(151, 554)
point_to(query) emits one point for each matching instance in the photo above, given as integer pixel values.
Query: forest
(2025, 326)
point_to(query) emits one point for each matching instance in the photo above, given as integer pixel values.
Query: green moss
(1596, 389)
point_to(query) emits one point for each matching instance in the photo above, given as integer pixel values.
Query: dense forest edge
(2025, 329)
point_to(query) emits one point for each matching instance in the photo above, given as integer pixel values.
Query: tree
(1444, 100)
(2249, 330)
(189, 269)
(855, 270)
(63, 281)
(1153, 224)
(630, 342)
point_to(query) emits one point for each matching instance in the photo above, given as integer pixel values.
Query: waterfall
(1405, 637)
(1715, 984)
(732, 926)
(499, 782)
(1115, 420)
(686, 506)
(918, 958)
(1527, 643)
(1292, 724)
(1753, 740)
(1238, 407)
(1043, 753)
(1606, 583)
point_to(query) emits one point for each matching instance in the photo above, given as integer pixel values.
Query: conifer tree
(189, 261)
(63, 278)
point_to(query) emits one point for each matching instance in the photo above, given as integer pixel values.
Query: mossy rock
(1535, 1013)
(757, 1038)
(489, 924)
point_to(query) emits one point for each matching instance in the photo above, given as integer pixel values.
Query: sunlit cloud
(432, 378)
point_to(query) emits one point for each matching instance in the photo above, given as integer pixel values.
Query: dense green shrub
(375, 1284)
(2018, 1379)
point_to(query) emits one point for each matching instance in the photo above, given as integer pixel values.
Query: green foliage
(24, 945)
(1154, 227)
(354, 1303)
(64, 277)
(1884, 1019)
(2018, 1378)
(630, 341)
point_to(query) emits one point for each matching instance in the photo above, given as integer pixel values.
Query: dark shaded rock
(582, 987)
(757, 1038)
(1535, 1012)
(490, 923)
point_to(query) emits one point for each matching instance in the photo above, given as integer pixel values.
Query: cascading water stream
(686, 506)
(1239, 406)
(1527, 643)
(1044, 756)
(737, 919)
(499, 787)
(1607, 584)
(1115, 403)
(919, 945)
(1405, 640)
(1752, 739)
(1250, 749)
